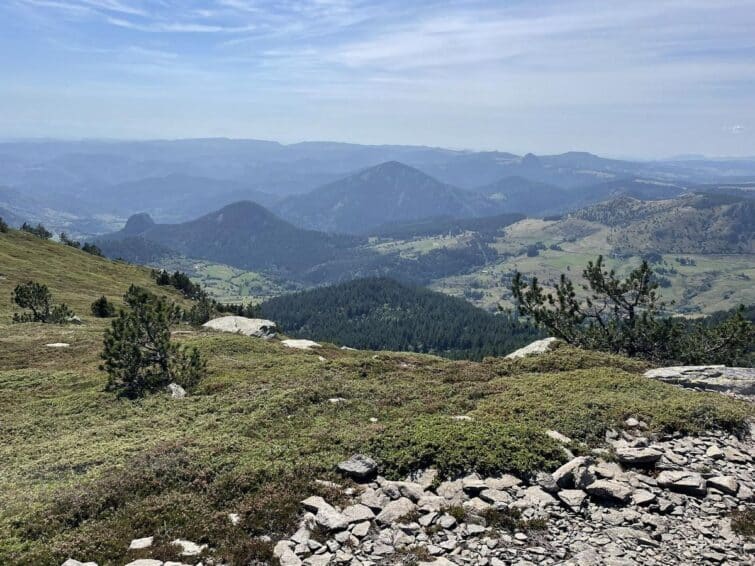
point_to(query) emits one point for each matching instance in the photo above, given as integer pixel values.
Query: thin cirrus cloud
(520, 74)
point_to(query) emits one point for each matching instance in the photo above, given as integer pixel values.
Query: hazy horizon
(644, 80)
(670, 157)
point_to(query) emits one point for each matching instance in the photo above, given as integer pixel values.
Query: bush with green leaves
(3, 226)
(627, 316)
(459, 447)
(138, 353)
(37, 299)
(102, 308)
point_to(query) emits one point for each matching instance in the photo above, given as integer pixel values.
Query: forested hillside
(698, 223)
(486, 226)
(382, 314)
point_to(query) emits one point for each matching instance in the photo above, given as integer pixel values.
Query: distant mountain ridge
(695, 223)
(80, 183)
(389, 192)
(243, 234)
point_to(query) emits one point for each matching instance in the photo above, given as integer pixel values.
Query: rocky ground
(735, 382)
(646, 501)
(643, 499)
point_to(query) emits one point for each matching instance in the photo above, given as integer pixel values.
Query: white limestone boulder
(257, 327)
(300, 344)
(537, 347)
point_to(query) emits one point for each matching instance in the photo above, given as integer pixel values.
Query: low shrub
(457, 448)
(583, 404)
(510, 519)
(102, 308)
(566, 358)
(743, 522)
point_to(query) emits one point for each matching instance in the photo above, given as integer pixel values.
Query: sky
(625, 78)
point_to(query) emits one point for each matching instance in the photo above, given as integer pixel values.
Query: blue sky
(638, 78)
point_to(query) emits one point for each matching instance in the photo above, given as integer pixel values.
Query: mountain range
(91, 187)
(387, 193)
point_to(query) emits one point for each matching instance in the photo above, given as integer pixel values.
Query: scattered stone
(330, 519)
(546, 482)
(659, 521)
(726, 484)
(58, 345)
(72, 562)
(189, 548)
(425, 478)
(395, 510)
(358, 467)
(506, 481)
(637, 456)
(314, 503)
(611, 490)
(643, 497)
(558, 437)
(300, 344)
(714, 452)
(176, 391)
(683, 482)
(140, 543)
(146, 562)
(734, 455)
(634, 535)
(358, 513)
(535, 497)
(564, 476)
(572, 497)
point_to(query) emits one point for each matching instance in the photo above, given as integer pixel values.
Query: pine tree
(138, 354)
(626, 317)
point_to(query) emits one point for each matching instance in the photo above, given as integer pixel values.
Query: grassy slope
(74, 277)
(84, 472)
(715, 282)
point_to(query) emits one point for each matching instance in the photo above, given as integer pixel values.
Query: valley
(226, 467)
(476, 258)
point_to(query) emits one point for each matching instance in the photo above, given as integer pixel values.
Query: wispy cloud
(178, 27)
(534, 69)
